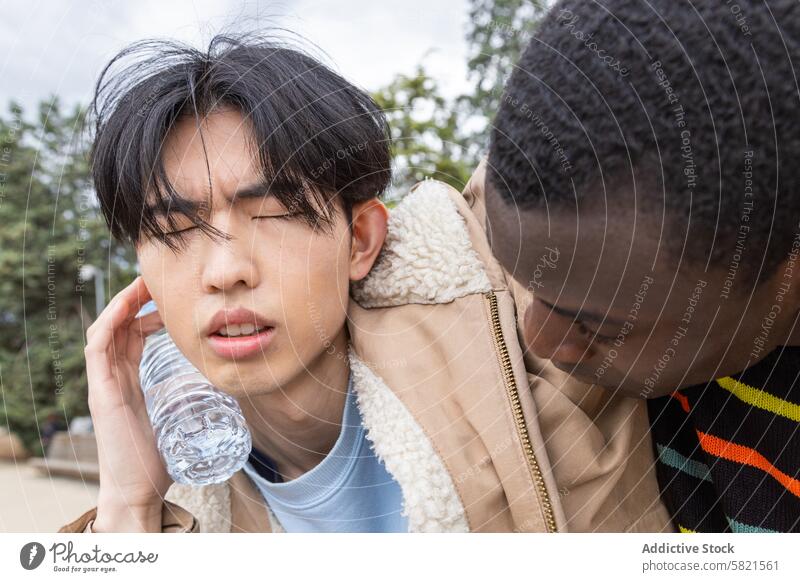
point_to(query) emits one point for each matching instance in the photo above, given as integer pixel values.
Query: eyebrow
(257, 190)
(582, 315)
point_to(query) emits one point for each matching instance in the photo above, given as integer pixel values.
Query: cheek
(169, 283)
(542, 328)
(153, 269)
(314, 287)
(529, 326)
(663, 358)
(308, 266)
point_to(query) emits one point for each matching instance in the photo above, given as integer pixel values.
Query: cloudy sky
(51, 47)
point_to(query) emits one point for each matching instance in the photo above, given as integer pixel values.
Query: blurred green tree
(498, 32)
(51, 228)
(445, 138)
(427, 134)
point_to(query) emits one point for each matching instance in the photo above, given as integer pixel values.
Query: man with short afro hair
(642, 183)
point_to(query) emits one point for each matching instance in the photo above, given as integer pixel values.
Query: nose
(554, 337)
(228, 264)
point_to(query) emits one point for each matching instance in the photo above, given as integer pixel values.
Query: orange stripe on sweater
(682, 399)
(746, 456)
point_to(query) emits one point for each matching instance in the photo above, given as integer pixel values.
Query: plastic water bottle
(200, 431)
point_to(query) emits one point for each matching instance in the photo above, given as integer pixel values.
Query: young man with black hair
(376, 358)
(665, 186)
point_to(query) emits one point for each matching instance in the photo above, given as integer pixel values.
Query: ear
(370, 219)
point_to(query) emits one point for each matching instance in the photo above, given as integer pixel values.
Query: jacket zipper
(516, 408)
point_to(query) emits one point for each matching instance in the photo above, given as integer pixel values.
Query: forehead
(576, 254)
(215, 149)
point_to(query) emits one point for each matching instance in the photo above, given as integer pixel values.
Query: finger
(136, 295)
(99, 369)
(120, 298)
(138, 330)
(100, 333)
(147, 324)
(129, 338)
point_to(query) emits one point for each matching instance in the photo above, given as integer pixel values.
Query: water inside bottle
(200, 431)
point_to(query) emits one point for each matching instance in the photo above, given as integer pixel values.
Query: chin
(231, 379)
(630, 387)
(244, 387)
(582, 374)
(637, 389)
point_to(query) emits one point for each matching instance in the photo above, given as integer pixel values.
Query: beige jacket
(478, 437)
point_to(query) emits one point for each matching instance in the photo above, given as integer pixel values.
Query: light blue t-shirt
(349, 491)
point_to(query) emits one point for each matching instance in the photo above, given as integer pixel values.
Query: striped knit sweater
(728, 452)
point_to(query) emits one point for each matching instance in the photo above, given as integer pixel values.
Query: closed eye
(593, 336)
(285, 215)
(179, 232)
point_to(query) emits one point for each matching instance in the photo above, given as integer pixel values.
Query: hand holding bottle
(133, 477)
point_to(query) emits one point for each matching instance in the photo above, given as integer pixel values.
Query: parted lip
(236, 316)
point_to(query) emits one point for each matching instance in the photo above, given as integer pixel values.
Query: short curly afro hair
(695, 100)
